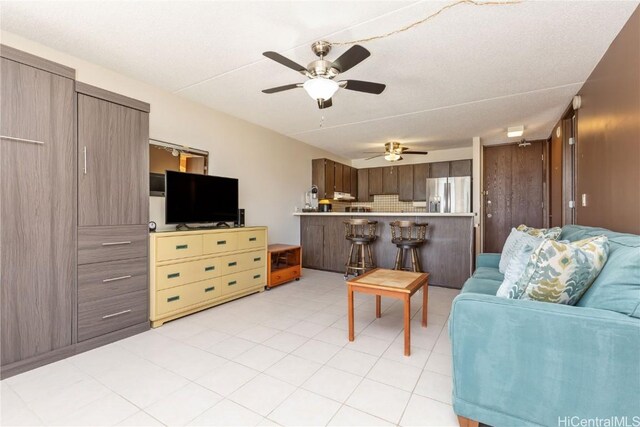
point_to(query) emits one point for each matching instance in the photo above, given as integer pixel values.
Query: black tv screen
(195, 198)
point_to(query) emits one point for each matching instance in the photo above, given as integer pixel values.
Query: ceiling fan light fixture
(320, 88)
(392, 157)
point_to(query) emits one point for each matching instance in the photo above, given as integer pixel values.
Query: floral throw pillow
(561, 272)
(512, 246)
(516, 265)
(546, 233)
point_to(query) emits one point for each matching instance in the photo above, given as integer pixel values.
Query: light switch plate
(584, 200)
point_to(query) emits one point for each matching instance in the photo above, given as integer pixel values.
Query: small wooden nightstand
(285, 264)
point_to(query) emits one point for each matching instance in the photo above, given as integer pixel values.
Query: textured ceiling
(471, 71)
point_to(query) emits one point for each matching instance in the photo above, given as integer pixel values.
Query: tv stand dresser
(195, 270)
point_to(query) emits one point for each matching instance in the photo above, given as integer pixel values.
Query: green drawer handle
(257, 276)
(232, 283)
(182, 246)
(221, 242)
(173, 275)
(232, 264)
(209, 289)
(257, 259)
(253, 239)
(171, 299)
(212, 267)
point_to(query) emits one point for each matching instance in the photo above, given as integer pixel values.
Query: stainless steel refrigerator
(449, 195)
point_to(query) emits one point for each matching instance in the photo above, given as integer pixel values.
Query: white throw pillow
(515, 240)
(517, 264)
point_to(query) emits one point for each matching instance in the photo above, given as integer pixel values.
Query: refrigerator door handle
(447, 197)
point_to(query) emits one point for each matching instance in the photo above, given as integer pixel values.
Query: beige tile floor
(276, 358)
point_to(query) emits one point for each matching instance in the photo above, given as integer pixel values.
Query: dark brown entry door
(513, 191)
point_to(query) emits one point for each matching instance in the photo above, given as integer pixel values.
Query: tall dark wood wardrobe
(74, 206)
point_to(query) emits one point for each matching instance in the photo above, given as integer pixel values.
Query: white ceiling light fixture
(515, 131)
(320, 88)
(393, 157)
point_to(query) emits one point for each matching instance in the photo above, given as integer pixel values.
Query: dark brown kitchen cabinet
(338, 183)
(346, 179)
(375, 181)
(420, 175)
(439, 169)
(113, 177)
(312, 241)
(405, 183)
(390, 180)
(460, 168)
(363, 185)
(37, 190)
(323, 243)
(354, 181)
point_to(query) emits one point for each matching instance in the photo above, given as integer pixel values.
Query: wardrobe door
(37, 210)
(113, 150)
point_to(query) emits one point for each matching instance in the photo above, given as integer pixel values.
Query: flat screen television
(194, 198)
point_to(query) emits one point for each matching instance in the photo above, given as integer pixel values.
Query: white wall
(274, 170)
(433, 156)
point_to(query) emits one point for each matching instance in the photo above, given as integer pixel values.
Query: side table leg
(350, 311)
(407, 325)
(425, 303)
(378, 306)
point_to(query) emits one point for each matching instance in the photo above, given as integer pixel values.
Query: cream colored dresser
(195, 270)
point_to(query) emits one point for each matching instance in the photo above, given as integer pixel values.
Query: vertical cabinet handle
(84, 152)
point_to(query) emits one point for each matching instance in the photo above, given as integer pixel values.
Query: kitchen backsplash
(381, 203)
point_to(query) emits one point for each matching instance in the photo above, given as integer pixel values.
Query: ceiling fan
(393, 152)
(321, 85)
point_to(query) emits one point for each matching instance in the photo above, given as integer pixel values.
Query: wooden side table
(395, 284)
(285, 264)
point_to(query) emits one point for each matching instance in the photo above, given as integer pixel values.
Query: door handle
(116, 243)
(84, 153)
(489, 216)
(116, 314)
(30, 141)
(113, 279)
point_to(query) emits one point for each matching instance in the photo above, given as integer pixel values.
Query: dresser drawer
(215, 243)
(175, 299)
(252, 239)
(172, 275)
(100, 317)
(108, 279)
(231, 264)
(177, 247)
(240, 281)
(251, 260)
(112, 243)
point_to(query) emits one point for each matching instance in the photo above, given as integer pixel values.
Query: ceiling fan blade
(361, 86)
(352, 57)
(415, 152)
(281, 88)
(285, 61)
(373, 157)
(324, 104)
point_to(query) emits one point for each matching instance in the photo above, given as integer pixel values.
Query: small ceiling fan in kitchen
(393, 152)
(321, 73)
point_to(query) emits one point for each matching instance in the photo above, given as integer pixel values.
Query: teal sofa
(529, 363)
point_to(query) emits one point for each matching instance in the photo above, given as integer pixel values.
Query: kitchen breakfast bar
(447, 255)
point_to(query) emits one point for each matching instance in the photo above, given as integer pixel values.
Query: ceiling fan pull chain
(423, 20)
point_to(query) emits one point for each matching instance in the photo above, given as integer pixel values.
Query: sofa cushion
(488, 273)
(480, 286)
(617, 288)
(560, 272)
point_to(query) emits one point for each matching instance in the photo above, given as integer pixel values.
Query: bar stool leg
(364, 265)
(348, 265)
(414, 266)
(398, 265)
(371, 261)
(418, 261)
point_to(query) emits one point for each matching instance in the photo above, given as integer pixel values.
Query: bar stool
(408, 235)
(361, 233)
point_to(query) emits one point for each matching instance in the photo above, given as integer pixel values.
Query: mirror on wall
(164, 156)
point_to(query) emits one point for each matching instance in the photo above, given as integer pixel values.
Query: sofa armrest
(520, 362)
(488, 260)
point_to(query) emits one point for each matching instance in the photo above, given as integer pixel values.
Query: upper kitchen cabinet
(354, 181)
(363, 185)
(420, 175)
(405, 183)
(439, 170)
(460, 168)
(390, 180)
(113, 154)
(323, 175)
(337, 173)
(346, 179)
(375, 181)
